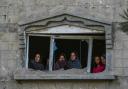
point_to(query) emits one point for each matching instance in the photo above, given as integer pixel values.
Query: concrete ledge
(55, 75)
(64, 77)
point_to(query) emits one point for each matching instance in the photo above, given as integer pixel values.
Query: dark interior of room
(41, 45)
(66, 46)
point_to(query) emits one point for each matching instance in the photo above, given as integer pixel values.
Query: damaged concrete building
(49, 27)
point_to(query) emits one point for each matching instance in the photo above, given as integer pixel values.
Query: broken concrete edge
(29, 75)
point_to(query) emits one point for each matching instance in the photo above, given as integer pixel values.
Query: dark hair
(99, 59)
(61, 54)
(103, 56)
(36, 54)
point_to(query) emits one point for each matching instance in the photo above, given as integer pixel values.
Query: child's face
(103, 60)
(61, 58)
(97, 60)
(73, 56)
(37, 57)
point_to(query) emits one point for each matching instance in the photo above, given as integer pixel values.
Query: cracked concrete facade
(15, 12)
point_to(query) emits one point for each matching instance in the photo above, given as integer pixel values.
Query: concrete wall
(14, 12)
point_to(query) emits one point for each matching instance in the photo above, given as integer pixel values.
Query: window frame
(89, 40)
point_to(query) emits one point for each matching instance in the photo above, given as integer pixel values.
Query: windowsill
(75, 74)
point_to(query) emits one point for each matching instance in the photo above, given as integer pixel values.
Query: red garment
(99, 68)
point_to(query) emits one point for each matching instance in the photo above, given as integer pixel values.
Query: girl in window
(36, 63)
(99, 66)
(61, 62)
(74, 62)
